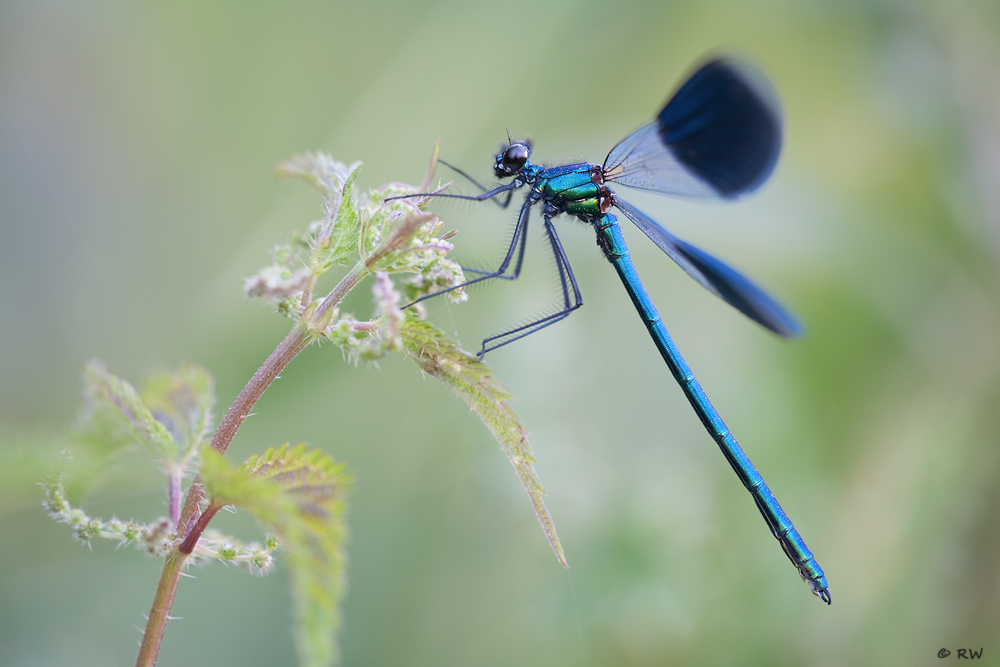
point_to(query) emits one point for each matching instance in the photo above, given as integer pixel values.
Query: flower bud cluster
(257, 558)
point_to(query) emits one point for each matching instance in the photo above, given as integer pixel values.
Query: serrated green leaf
(227, 485)
(473, 381)
(182, 401)
(115, 415)
(298, 495)
(342, 243)
(337, 240)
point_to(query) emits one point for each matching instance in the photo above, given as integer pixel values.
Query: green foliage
(171, 414)
(297, 494)
(172, 408)
(377, 235)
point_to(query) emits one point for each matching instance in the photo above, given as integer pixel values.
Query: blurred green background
(137, 189)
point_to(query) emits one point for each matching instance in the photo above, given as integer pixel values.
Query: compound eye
(514, 157)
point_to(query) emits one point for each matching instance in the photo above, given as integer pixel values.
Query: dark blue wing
(718, 136)
(724, 281)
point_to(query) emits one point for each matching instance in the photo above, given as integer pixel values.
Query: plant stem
(296, 341)
(173, 568)
(189, 543)
(338, 293)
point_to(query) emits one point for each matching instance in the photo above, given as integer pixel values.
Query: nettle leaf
(182, 401)
(473, 381)
(116, 417)
(299, 496)
(341, 245)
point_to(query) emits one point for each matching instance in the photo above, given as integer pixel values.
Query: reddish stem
(173, 568)
(189, 543)
(296, 341)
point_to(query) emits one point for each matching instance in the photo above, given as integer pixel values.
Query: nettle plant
(296, 493)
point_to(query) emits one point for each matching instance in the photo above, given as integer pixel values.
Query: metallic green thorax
(578, 188)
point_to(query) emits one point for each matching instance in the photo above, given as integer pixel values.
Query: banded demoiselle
(717, 138)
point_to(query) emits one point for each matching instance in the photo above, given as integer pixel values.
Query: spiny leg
(489, 194)
(520, 253)
(567, 281)
(520, 234)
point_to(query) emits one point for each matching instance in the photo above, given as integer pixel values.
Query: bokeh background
(137, 189)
